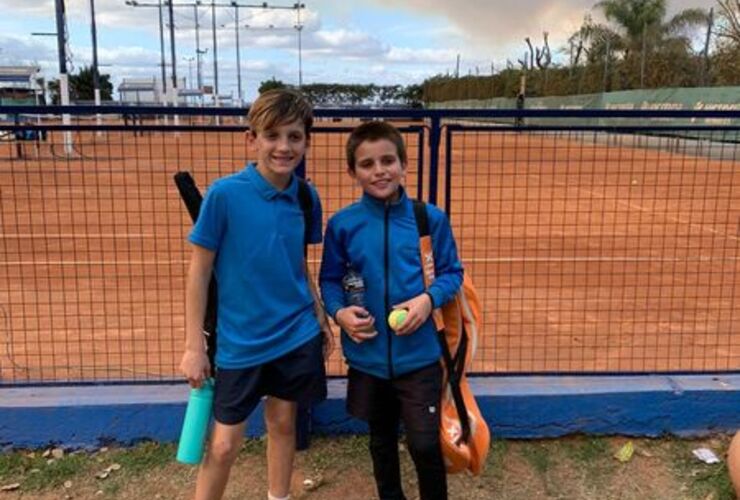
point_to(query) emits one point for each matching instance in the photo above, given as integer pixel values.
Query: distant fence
(668, 99)
(595, 248)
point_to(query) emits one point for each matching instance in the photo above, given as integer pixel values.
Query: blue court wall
(515, 407)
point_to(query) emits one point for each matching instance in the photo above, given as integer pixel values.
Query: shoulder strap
(455, 365)
(422, 219)
(427, 252)
(193, 199)
(305, 200)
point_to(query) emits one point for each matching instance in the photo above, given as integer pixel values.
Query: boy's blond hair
(277, 107)
(374, 131)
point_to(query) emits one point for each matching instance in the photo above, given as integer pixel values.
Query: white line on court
(599, 259)
(20, 236)
(316, 261)
(655, 213)
(94, 263)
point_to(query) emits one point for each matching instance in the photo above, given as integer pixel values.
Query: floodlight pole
(238, 54)
(298, 6)
(198, 52)
(63, 77)
(172, 45)
(161, 53)
(96, 73)
(173, 90)
(215, 54)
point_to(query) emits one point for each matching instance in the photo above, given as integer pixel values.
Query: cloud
(346, 44)
(19, 51)
(419, 56)
(502, 22)
(30, 7)
(130, 56)
(496, 29)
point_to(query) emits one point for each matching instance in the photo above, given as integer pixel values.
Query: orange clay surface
(588, 255)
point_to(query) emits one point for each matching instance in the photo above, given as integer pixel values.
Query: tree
(82, 86)
(729, 26)
(644, 30)
(634, 15)
(271, 84)
(726, 65)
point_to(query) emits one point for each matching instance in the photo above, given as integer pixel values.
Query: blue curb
(514, 407)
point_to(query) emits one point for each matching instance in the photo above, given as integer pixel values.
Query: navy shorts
(298, 376)
(415, 396)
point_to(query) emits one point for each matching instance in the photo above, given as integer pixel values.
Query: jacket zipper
(387, 288)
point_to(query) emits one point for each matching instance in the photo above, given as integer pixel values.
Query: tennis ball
(397, 317)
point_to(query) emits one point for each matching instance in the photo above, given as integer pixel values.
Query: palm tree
(598, 43)
(643, 26)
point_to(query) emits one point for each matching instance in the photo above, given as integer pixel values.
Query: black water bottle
(354, 288)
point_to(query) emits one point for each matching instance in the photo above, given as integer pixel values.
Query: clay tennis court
(591, 253)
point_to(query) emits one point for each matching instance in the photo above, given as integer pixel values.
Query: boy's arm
(318, 307)
(353, 320)
(333, 266)
(194, 364)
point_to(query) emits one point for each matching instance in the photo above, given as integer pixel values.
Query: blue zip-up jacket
(381, 241)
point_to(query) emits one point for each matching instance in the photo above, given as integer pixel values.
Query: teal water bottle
(195, 425)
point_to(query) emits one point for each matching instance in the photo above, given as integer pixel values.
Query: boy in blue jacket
(393, 376)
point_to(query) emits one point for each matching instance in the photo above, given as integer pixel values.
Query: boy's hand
(357, 322)
(195, 366)
(420, 307)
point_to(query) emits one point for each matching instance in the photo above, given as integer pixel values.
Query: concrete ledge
(515, 407)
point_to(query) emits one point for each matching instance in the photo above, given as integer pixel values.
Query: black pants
(414, 400)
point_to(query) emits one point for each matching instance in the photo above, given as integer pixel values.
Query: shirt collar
(267, 190)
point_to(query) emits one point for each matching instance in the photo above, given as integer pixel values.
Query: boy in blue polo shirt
(393, 375)
(250, 233)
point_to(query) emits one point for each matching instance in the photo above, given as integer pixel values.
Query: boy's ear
(251, 136)
(351, 173)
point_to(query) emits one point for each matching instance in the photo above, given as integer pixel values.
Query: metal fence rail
(594, 248)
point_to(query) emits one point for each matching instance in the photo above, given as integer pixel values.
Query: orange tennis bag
(463, 431)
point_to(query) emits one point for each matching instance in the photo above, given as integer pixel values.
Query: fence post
(303, 415)
(434, 134)
(17, 137)
(420, 166)
(448, 171)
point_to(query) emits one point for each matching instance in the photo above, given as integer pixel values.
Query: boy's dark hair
(279, 106)
(374, 131)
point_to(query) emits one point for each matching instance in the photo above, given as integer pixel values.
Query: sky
(342, 41)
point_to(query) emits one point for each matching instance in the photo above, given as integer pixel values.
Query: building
(148, 91)
(21, 85)
(140, 91)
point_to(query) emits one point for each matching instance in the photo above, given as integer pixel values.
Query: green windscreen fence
(709, 98)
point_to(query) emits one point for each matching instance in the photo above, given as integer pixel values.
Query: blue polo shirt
(265, 308)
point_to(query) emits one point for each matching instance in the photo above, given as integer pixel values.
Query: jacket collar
(378, 206)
